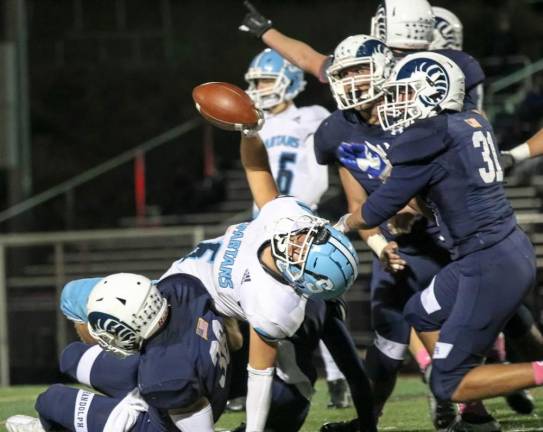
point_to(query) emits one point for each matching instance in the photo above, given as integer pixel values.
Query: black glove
(507, 161)
(254, 22)
(348, 426)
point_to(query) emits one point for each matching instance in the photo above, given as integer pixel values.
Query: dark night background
(105, 75)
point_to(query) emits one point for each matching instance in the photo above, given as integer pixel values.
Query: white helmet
(404, 24)
(124, 309)
(420, 86)
(359, 51)
(448, 30)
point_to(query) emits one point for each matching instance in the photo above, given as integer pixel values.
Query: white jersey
(288, 137)
(230, 269)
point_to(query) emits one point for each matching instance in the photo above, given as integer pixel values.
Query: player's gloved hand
(367, 158)
(344, 426)
(341, 224)
(402, 223)
(507, 161)
(253, 130)
(391, 260)
(254, 22)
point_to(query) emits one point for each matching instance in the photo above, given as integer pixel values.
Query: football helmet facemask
(288, 79)
(313, 257)
(361, 64)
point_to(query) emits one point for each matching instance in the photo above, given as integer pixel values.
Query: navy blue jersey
(188, 359)
(450, 161)
(348, 128)
(473, 74)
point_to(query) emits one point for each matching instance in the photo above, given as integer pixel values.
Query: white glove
(341, 224)
(251, 132)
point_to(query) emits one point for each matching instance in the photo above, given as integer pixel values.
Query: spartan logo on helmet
(435, 76)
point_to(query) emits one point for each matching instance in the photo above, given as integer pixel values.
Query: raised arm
(254, 159)
(297, 52)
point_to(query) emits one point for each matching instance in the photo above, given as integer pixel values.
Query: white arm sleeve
(259, 392)
(199, 421)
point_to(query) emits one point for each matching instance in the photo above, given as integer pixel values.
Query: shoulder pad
(471, 68)
(314, 112)
(328, 136)
(424, 140)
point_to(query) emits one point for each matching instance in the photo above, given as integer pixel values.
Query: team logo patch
(202, 327)
(473, 123)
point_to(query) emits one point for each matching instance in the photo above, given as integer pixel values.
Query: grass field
(406, 410)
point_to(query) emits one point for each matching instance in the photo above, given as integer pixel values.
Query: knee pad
(49, 399)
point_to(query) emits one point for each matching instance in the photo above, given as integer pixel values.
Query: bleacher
(58, 258)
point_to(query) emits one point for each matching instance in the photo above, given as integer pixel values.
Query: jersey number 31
(492, 171)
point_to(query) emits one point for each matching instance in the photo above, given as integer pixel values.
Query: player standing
(449, 158)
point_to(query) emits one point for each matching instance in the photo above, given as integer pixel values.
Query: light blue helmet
(289, 79)
(314, 257)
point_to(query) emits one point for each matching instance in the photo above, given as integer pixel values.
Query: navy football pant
(78, 410)
(389, 294)
(470, 301)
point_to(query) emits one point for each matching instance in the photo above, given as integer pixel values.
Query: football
(225, 105)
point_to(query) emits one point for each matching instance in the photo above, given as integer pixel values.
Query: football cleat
(24, 423)
(522, 402)
(470, 422)
(442, 413)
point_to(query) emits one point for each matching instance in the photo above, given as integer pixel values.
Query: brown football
(225, 105)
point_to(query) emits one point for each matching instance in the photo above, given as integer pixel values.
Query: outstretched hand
(254, 22)
(391, 260)
(507, 161)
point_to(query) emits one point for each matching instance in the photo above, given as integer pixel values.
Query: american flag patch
(201, 328)
(473, 123)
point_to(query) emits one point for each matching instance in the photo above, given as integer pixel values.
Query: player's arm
(405, 182)
(297, 52)
(531, 148)
(254, 159)
(384, 250)
(197, 417)
(261, 368)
